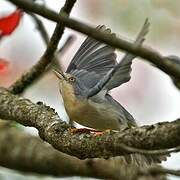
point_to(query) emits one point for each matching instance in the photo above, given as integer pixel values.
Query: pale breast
(92, 115)
(76, 109)
(79, 111)
(88, 113)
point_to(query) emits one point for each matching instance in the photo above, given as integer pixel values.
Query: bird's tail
(142, 160)
(132, 161)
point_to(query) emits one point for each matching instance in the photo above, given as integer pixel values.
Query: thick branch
(46, 58)
(27, 153)
(151, 55)
(56, 132)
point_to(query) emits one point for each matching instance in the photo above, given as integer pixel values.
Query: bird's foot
(85, 130)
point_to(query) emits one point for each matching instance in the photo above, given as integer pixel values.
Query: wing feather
(123, 69)
(121, 72)
(94, 58)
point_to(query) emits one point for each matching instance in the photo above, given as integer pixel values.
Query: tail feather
(140, 160)
(131, 162)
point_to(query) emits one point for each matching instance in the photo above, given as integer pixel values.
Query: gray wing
(123, 69)
(93, 60)
(121, 72)
(124, 114)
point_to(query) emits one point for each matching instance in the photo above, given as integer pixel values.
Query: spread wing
(93, 60)
(123, 69)
(121, 72)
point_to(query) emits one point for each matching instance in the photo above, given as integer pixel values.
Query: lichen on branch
(86, 145)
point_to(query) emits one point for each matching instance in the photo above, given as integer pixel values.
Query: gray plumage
(85, 87)
(93, 60)
(123, 69)
(95, 66)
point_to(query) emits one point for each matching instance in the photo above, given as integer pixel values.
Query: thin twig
(156, 170)
(147, 53)
(149, 152)
(66, 44)
(41, 28)
(176, 61)
(55, 62)
(36, 71)
(45, 37)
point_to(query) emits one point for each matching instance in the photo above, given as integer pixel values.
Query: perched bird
(85, 87)
(90, 75)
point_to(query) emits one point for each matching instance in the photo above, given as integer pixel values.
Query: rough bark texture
(26, 153)
(86, 145)
(30, 154)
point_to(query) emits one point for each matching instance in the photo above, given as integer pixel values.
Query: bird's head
(71, 84)
(67, 81)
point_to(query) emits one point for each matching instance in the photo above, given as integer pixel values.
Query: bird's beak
(59, 74)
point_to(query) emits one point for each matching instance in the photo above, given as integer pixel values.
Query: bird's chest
(88, 113)
(81, 112)
(77, 109)
(93, 116)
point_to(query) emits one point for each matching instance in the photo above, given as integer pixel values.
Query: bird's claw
(85, 130)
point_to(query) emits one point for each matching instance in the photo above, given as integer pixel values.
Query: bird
(86, 84)
(91, 74)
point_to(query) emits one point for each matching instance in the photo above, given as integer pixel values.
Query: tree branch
(86, 145)
(28, 153)
(66, 44)
(150, 152)
(155, 170)
(40, 28)
(45, 37)
(42, 158)
(151, 55)
(36, 71)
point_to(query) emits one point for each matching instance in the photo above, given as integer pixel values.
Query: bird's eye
(72, 79)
